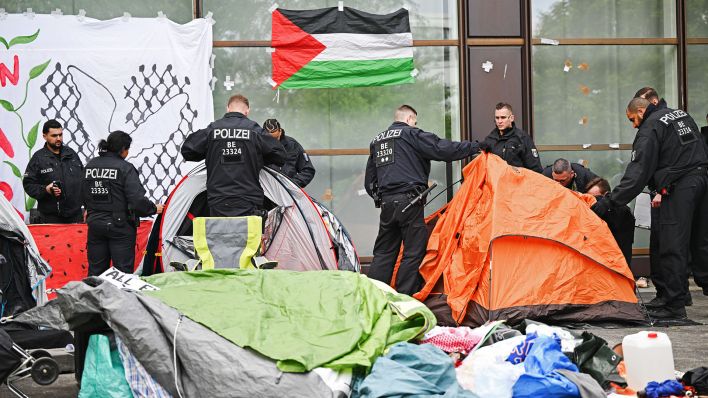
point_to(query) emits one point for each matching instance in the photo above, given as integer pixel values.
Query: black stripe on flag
(331, 20)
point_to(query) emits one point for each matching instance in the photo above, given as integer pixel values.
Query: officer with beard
(668, 155)
(53, 177)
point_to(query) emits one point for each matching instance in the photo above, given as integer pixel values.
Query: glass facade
(250, 20)
(570, 96)
(580, 91)
(603, 18)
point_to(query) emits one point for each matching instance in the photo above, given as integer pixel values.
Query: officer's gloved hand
(602, 207)
(485, 147)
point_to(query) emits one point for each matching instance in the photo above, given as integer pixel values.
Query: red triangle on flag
(294, 48)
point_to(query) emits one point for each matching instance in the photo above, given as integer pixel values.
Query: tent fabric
(308, 237)
(209, 365)
(227, 242)
(409, 370)
(334, 319)
(13, 228)
(63, 246)
(513, 244)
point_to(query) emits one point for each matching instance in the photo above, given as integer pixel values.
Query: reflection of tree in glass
(613, 74)
(608, 18)
(251, 19)
(697, 19)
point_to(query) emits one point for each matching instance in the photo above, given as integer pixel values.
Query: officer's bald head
(636, 104)
(238, 103)
(406, 114)
(636, 109)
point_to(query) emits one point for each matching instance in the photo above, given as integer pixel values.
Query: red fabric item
(295, 48)
(461, 339)
(63, 246)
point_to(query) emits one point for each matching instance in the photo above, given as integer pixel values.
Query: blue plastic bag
(104, 376)
(541, 378)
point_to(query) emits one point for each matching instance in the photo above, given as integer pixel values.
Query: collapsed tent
(300, 233)
(22, 269)
(290, 344)
(513, 244)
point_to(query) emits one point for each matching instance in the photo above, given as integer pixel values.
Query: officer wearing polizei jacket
(667, 154)
(397, 170)
(53, 177)
(298, 166)
(511, 143)
(573, 176)
(235, 149)
(115, 200)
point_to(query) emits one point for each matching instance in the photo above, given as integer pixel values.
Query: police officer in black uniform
(234, 149)
(396, 172)
(573, 176)
(115, 200)
(53, 177)
(298, 166)
(651, 95)
(668, 155)
(511, 143)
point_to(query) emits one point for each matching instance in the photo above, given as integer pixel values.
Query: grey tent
(300, 233)
(183, 356)
(22, 269)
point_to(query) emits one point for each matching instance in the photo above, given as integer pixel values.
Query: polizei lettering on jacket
(388, 134)
(671, 116)
(226, 134)
(103, 174)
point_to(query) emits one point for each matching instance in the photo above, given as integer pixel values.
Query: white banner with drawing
(149, 77)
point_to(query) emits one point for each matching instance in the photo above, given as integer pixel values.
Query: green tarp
(303, 320)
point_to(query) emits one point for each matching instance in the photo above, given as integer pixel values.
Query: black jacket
(667, 146)
(298, 166)
(399, 159)
(704, 133)
(113, 192)
(583, 176)
(45, 167)
(515, 147)
(234, 149)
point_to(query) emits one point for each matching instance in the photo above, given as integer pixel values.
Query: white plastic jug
(647, 357)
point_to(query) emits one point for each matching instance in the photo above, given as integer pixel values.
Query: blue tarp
(409, 370)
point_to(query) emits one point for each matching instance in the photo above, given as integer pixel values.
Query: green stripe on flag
(335, 74)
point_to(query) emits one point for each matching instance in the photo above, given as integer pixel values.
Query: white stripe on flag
(362, 47)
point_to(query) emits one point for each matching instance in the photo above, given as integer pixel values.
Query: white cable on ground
(174, 354)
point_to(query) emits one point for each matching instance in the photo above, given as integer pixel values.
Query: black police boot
(688, 300)
(705, 291)
(656, 302)
(667, 313)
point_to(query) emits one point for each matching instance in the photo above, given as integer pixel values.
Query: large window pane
(697, 65)
(343, 118)
(586, 104)
(603, 18)
(697, 18)
(251, 20)
(179, 11)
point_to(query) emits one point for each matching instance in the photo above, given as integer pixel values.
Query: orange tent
(513, 244)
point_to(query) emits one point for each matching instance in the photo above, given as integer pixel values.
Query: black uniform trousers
(654, 263)
(683, 236)
(108, 241)
(396, 226)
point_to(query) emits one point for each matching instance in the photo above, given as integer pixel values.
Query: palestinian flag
(328, 48)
